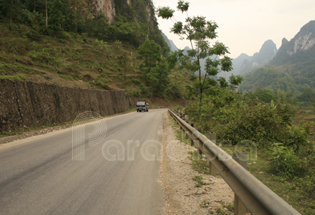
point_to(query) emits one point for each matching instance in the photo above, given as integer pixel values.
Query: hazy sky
(244, 25)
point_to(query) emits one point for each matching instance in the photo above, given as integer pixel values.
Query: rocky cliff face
(107, 6)
(300, 49)
(304, 40)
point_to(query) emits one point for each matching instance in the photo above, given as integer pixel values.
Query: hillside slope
(88, 44)
(76, 61)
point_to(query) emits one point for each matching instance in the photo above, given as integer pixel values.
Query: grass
(22, 59)
(14, 77)
(66, 58)
(205, 204)
(198, 179)
(200, 163)
(305, 115)
(289, 190)
(220, 211)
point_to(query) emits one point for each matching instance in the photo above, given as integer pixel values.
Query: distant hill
(170, 43)
(294, 60)
(244, 63)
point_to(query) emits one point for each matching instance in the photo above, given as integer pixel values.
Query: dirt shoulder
(176, 177)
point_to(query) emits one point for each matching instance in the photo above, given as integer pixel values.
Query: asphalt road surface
(99, 168)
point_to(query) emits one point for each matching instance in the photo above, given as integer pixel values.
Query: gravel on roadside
(176, 177)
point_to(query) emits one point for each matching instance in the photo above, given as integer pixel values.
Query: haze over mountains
(243, 63)
(170, 43)
(290, 69)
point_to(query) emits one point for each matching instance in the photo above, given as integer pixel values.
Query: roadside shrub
(178, 107)
(231, 118)
(284, 162)
(296, 138)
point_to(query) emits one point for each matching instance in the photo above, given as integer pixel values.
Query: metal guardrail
(256, 196)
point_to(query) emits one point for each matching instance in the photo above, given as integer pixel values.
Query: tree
(155, 68)
(150, 53)
(55, 16)
(199, 32)
(12, 10)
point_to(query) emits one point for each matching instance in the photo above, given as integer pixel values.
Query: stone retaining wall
(33, 104)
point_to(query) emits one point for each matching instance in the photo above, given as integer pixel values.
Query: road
(58, 174)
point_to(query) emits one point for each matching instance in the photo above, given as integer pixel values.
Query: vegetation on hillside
(291, 71)
(132, 24)
(300, 89)
(76, 49)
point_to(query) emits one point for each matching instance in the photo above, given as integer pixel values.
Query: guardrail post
(191, 139)
(239, 207)
(213, 138)
(199, 129)
(212, 170)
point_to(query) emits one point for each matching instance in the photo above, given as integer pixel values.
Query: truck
(142, 105)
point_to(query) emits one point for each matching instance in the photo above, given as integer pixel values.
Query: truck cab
(142, 106)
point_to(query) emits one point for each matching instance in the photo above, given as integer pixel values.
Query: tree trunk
(46, 14)
(76, 17)
(11, 11)
(200, 88)
(34, 5)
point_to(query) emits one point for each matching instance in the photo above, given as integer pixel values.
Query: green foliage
(150, 53)
(284, 162)
(154, 67)
(133, 24)
(199, 163)
(166, 12)
(230, 207)
(198, 179)
(308, 95)
(178, 108)
(220, 211)
(15, 77)
(268, 78)
(55, 16)
(43, 57)
(307, 184)
(236, 118)
(296, 139)
(266, 95)
(205, 204)
(199, 32)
